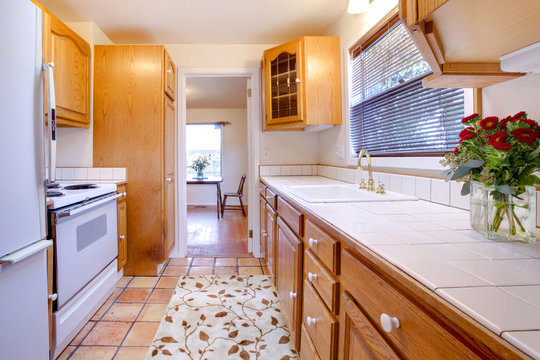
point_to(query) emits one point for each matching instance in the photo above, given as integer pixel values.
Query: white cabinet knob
(313, 242)
(122, 237)
(389, 323)
(264, 233)
(124, 194)
(311, 276)
(53, 297)
(292, 295)
(297, 80)
(169, 179)
(311, 321)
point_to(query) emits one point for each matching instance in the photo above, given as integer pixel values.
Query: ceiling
(202, 21)
(216, 92)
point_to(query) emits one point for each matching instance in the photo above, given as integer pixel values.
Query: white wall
(234, 153)
(510, 97)
(75, 145)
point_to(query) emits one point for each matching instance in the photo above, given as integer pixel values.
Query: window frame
(417, 160)
(220, 146)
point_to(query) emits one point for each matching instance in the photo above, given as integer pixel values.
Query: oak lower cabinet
(71, 56)
(262, 226)
(122, 226)
(271, 246)
(134, 127)
(359, 339)
(340, 300)
(289, 277)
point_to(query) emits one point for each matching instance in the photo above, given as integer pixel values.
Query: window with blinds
(391, 113)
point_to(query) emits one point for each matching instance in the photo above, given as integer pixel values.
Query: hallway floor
(210, 236)
(124, 327)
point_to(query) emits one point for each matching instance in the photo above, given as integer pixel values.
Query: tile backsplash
(434, 190)
(115, 174)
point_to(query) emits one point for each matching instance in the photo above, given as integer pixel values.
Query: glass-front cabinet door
(283, 93)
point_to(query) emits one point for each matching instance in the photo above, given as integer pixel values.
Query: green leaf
(461, 172)
(474, 163)
(466, 189)
(505, 189)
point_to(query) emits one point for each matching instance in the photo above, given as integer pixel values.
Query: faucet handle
(380, 188)
(363, 184)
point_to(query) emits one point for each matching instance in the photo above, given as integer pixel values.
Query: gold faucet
(371, 183)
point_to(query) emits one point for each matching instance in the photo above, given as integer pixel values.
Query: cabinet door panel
(289, 276)
(169, 76)
(284, 84)
(271, 241)
(122, 233)
(71, 57)
(170, 119)
(358, 339)
(262, 225)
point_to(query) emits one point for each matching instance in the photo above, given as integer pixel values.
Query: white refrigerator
(24, 330)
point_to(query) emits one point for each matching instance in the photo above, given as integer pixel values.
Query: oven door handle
(88, 206)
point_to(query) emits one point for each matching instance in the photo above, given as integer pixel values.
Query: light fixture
(357, 6)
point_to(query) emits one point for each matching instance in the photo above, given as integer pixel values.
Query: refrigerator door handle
(25, 252)
(51, 105)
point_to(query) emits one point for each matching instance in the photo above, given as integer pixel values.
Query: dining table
(209, 180)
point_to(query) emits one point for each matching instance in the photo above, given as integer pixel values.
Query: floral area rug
(223, 317)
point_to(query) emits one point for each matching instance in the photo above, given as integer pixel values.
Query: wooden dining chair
(239, 194)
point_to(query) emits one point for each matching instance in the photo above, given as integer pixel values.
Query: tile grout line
(79, 345)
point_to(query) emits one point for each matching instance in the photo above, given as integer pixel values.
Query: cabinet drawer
(307, 350)
(320, 324)
(322, 245)
(271, 197)
(418, 336)
(291, 216)
(322, 280)
(262, 190)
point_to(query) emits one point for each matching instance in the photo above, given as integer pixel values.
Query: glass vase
(200, 174)
(503, 216)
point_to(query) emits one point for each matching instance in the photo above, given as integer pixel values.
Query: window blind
(391, 113)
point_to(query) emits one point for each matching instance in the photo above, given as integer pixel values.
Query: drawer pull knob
(313, 242)
(311, 276)
(263, 232)
(311, 321)
(53, 297)
(389, 323)
(292, 295)
(122, 237)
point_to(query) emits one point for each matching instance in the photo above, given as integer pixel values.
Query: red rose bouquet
(502, 154)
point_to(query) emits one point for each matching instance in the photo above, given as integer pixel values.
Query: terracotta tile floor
(123, 328)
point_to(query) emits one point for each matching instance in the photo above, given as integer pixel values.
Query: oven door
(85, 243)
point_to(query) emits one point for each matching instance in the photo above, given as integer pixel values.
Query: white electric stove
(83, 222)
(71, 193)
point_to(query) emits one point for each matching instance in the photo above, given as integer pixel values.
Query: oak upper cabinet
(302, 83)
(122, 226)
(289, 277)
(170, 76)
(134, 128)
(416, 10)
(71, 57)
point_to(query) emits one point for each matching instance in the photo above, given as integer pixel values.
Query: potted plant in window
(496, 159)
(199, 162)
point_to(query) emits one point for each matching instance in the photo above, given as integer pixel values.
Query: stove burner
(51, 185)
(80, 187)
(54, 193)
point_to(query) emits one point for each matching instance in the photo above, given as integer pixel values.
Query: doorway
(217, 102)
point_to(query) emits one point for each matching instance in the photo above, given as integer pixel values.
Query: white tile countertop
(496, 283)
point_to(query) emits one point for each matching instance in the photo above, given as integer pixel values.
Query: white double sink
(343, 194)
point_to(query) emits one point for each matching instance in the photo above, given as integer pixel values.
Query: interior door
(170, 119)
